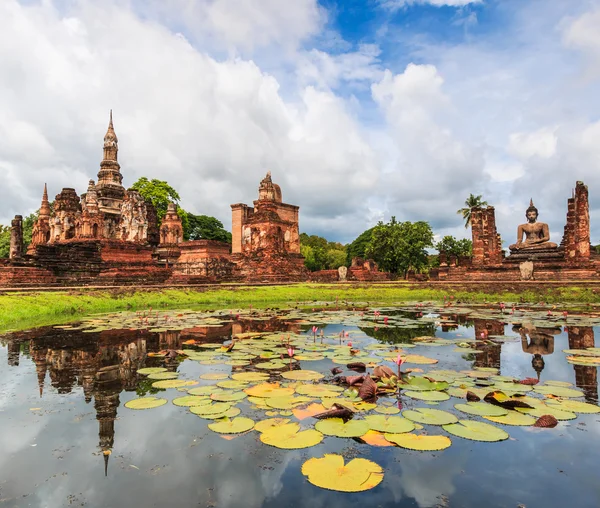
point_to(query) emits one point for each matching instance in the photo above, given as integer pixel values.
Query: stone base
(276, 268)
(520, 256)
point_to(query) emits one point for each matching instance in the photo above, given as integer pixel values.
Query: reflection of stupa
(38, 356)
(491, 352)
(586, 377)
(106, 401)
(14, 350)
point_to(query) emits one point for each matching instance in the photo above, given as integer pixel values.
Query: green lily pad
(216, 408)
(250, 376)
(422, 384)
(574, 406)
(544, 409)
(428, 396)
(476, 431)
(228, 396)
(387, 410)
(337, 427)
(145, 403)
(389, 424)
(430, 416)
(214, 375)
(481, 409)
(290, 437)
(191, 400)
(163, 375)
(202, 390)
(151, 370)
(170, 383)
(234, 426)
(302, 375)
(559, 391)
(512, 418)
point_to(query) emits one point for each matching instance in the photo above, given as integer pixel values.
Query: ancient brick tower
(110, 192)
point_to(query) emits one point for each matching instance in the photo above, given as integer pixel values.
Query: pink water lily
(291, 352)
(385, 320)
(349, 344)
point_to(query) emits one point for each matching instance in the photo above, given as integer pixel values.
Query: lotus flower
(349, 344)
(290, 352)
(399, 361)
(346, 334)
(565, 314)
(385, 320)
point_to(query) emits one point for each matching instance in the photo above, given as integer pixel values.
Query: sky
(361, 109)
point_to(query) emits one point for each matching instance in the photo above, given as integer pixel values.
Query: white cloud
(397, 4)
(541, 143)
(583, 33)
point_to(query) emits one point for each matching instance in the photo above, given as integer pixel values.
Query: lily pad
(250, 376)
(269, 423)
(574, 406)
(216, 408)
(422, 384)
(234, 426)
(202, 390)
(171, 383)
(481, 409)
(228, 396)
(476, 431)
(512, 418)
(337, 427)
(330, 472)
(163, 375)
(318, 390)
(145, 403)
(559, 391)
(387, 410)
(430, 416)
(214, 375)
(428, 396)
(420, 442)
(302, 375)
(286, 402)
(151, 370)
(290, 437)
(544, 409)
(419, 360)
(389, 424)
(191, 400)
(268, 390)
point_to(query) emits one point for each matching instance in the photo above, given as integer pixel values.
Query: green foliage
(159, 193)
(319, 254)
(203, 227)
(4, 241)
(471, 202)
(453, 247)
(401, 246)
(358, 248)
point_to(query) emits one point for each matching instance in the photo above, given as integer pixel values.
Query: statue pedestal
(540, 254)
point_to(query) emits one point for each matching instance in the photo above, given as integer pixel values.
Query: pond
(235, 400)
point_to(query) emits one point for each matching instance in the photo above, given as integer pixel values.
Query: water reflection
(103, 366)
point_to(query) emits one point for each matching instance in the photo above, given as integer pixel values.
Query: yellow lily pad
(270, 423)
(232, 426)
(476, 431)
(420, 442)
(389, 424)
(290, 437)
(337, 427)
(265, 390)
(330, 472)
(145, 403)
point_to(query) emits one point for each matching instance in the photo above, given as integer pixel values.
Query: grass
(19, 311)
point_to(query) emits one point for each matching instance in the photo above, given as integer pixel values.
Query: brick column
(16, 238)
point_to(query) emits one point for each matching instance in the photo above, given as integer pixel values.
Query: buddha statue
(537, 234)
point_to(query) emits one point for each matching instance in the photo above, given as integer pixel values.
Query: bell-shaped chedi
(171, 229)
(109, 188)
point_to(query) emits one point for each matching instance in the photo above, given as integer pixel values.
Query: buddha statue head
(531, 213)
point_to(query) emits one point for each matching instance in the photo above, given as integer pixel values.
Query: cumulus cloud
(582, 33)
(397, 4)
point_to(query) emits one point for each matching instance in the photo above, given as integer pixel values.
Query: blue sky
(360, 109)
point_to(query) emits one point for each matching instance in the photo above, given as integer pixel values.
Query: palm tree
(470, 203)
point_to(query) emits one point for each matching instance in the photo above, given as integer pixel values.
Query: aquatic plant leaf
(250, 376)
(330, 472)
(214, 375)
(308, 411)
(151, 370)
(481, 409)
(512, 418)
(551, 382)
(420, 442)
(163, 375)
(559, 391)
(215, 408)
(230, 413)
(375, 438)
(387, 410)
(383, 371)
(389, 424)
(430, 416)
(544, 409)
(368, 389)
(269, 423)
(574, 406)
(428, 396)
(546, 421)
(265, 390)
(234, 426)
(419, 360)
(191, 400)
(202, 390)
(302, 375)
(171, 383)
(286, 402)
(145, 403)
(424, 384)
(472, 397)
(501, 399)
(232, 384)
(290, 437)
(228, 396)
(476, 431)
(337, 427)
(318, 390)
(356, 366)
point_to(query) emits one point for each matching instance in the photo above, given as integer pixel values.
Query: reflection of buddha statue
(537, 234)
(540, 342)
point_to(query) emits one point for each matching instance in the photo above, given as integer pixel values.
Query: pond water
(67, 439)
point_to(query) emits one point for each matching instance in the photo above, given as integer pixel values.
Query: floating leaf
(318, 390)
(428, 396)
(389, 424)
(163, 375)
(419, 360)
(512, 418)
(269, 423)
(368, 389)
(171, 383)
(286, 402)
(228, 396)
(574, 406)
(559, 391)
(214, 375)
(481, 409)
(430, 416)
(191, 400)
(420, 442)
(232, 384)
(551, 382)
(329, 472)
(337, 427)
(151, 370)
(387, 410)
(311, 410)
(375, 438)
(424, 384)
(202, 390)
(544, 409)
(477, 431)
(250, 376)
(289, 437)
(230, 413)
(233, 426)
(546, 421)
(302, 375)
(268, 390)
(216, 408)
(145, 403)
(503, 400)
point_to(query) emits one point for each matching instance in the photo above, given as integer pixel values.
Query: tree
(320, 254)
(357, 249)
(27, 232)
(470, 203)
(453, 247)
(4, 241)
(203, 227)
(401, 246)
(159, 193)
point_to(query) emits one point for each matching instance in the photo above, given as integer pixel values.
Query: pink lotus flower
(385, 320)
(399, 360)
(346, 334)
(290, 352)
(349, 344)
(549, 313)
(565, 314)
(314, 329)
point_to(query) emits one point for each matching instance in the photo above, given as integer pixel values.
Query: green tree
(454, 247)
(203, 227)
(4, 241)
(470, 203)
(357, 249)
(320, 254)
(159, 193)
(401, 246)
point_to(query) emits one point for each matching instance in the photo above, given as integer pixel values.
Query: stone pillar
(576, 239)
(477, 236)
(487, 245)
(16, 238)
(239, 214)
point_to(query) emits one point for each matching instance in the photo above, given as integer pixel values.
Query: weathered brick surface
(203, 261)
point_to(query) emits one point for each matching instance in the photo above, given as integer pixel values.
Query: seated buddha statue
(537, 234)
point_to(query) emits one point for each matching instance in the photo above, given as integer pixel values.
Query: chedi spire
(110, 173)
(45, 206)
